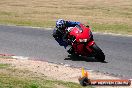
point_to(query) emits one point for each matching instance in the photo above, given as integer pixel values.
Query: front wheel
(98, 53)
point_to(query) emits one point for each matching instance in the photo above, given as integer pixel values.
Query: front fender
(90, 44)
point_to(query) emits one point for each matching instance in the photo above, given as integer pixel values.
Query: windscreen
(79, 27)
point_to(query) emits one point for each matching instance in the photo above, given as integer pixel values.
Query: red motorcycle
(83, 43)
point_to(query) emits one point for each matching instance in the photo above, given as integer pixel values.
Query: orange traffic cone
(84, 73)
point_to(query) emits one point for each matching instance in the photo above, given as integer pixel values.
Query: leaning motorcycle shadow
(82, 58)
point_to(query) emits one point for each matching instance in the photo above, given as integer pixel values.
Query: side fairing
(80, 32)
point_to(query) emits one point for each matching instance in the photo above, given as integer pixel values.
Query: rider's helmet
(60, 24)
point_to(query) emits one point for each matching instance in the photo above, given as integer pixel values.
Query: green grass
(4, 65)
(7, 81)
(20, 78)
(27, 23)
(112, 28)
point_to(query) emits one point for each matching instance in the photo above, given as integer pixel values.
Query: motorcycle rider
(60, 33)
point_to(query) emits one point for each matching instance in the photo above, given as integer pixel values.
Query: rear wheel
(98, 53)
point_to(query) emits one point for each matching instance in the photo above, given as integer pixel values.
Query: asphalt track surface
(38, 44)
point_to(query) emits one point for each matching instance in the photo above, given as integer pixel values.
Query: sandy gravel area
(54, 71)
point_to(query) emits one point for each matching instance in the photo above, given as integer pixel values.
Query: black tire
(75, 55)
(98, 53)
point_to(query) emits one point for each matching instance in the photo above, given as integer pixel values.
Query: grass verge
(4, 66)
(16, 78)
(113, 28)
(15, 82)
(103, 15)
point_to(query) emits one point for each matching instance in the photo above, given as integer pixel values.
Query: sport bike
(82, 42)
